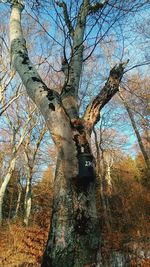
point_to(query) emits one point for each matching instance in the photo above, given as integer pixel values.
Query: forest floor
(21, 246)
(24, 246)
(125, 231)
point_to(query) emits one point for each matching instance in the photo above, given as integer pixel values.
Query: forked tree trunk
(75, 232)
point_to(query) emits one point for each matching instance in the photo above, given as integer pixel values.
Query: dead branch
(111, 87)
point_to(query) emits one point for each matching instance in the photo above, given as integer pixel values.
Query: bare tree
(15, 144)
(75, 233)
(30, 157)
(137, 133)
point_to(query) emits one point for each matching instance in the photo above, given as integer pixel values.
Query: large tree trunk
(75, 232)
(74, 235)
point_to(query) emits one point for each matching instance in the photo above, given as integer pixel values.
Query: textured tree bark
(75, 232)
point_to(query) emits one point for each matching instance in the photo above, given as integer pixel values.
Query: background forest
(120, 140)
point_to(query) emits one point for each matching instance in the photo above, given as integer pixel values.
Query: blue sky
(129, 45)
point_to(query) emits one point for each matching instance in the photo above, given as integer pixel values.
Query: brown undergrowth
(22, 246)
(127, 231)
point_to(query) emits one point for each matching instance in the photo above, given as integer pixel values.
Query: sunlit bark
(28, 199)
(74, 234)
(5, 183)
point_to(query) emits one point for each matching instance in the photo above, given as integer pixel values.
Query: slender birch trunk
(28, 193)
(108, 162)
(28, 200)
(139, 139)
(11, 168)
(18, 200)
(5, 184)
(30, 166)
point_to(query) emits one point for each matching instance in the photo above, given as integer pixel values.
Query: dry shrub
(22, 246)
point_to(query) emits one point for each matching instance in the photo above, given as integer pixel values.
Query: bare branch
(96, 7)
(66, 17)
(92, 113)
(36, 88)
(70, 90)
(10, 102)
(138, 65)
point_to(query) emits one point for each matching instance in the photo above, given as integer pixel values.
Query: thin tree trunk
(30, 165)
(139, 139)
(108, 162)
(101, 179)
(18, 199)
(4, 185)
(108, 178)
(28, 200)
(146, 158)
